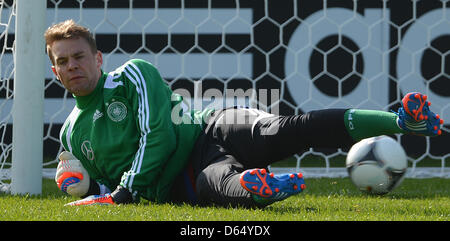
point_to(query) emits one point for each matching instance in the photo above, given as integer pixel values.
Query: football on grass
(376, 165)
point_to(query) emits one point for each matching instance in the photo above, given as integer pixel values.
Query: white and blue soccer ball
(377, 165)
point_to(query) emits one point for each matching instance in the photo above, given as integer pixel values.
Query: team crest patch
(117, 111)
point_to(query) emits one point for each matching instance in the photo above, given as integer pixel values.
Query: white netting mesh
(317, 54)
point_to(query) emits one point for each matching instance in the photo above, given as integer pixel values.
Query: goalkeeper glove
(71, 177)
(120, 196)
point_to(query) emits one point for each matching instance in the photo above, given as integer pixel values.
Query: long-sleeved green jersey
(132, 130)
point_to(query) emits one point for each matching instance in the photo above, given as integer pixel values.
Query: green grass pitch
(334, 199)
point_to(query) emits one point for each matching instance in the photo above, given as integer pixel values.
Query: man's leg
(264, 139)
(242, 139)
(219, 170)
(414, 117)
(219, 183)
(368, 123)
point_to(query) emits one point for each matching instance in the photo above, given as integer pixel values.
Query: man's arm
(151, 102)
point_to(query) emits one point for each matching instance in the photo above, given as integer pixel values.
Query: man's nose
(72, 64)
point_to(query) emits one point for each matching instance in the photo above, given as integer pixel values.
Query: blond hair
(68, 30)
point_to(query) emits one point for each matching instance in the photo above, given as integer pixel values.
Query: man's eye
(61, 62)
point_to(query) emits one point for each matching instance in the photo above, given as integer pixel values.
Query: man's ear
(54, 71)
(99, 59)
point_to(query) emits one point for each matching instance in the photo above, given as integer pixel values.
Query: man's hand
(71, 177)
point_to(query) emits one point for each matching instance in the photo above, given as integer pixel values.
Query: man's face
(76, 66)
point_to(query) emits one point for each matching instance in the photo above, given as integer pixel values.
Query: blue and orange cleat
(270, 187)
(415, 116)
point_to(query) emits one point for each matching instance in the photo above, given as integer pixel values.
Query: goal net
(285, 57)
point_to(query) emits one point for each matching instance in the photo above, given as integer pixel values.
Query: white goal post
(28, 105)
(311, 54)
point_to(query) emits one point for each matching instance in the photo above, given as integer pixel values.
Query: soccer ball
(376, 165)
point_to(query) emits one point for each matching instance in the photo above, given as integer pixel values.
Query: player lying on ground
(129, 136)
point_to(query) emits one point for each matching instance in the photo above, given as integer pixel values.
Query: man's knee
(217, 183)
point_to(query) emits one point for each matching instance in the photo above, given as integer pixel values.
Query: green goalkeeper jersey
(133, 131)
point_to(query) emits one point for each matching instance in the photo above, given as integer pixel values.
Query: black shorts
(237, 139)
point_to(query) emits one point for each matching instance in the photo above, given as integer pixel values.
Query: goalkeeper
(129, 137)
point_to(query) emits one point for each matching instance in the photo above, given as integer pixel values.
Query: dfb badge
(117, 111)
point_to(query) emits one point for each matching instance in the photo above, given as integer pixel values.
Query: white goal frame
(28, 105)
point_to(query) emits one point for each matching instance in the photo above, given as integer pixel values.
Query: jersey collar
(82, 102)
